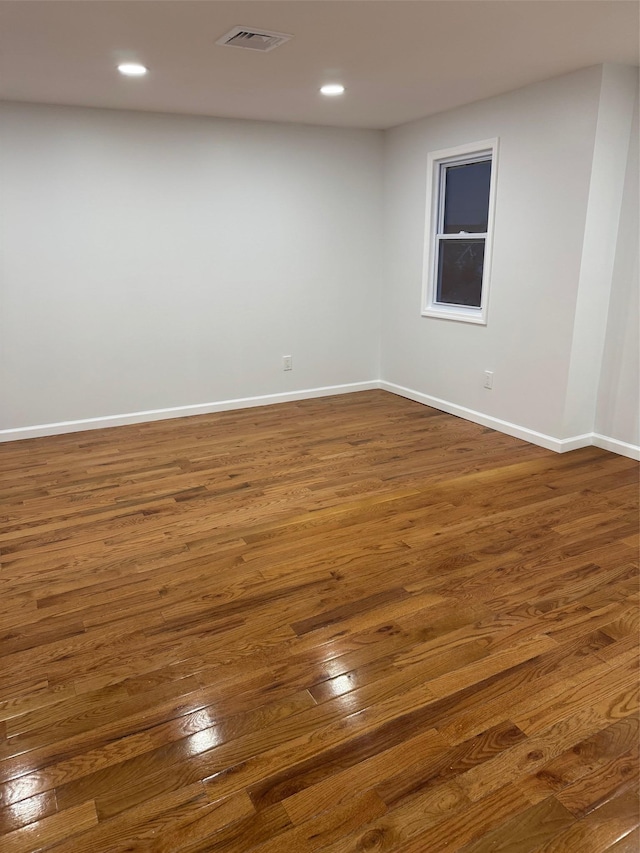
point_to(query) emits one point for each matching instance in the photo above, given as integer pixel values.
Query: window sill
(470, 316)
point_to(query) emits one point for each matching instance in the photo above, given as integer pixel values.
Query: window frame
(437, 161)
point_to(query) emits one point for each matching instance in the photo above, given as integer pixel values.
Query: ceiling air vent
(253, 39)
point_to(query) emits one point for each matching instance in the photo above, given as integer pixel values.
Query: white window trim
(435, 159)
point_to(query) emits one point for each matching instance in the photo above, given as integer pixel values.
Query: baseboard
(181, 411)
(559, 445)
(622, 448)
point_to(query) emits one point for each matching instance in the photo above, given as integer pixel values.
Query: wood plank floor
(345, 624)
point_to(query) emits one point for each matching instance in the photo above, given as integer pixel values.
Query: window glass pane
(466, 198)
(460, 265)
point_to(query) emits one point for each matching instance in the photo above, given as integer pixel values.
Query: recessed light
(332, 89)
(132, 69)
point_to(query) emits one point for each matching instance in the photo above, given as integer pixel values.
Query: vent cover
(249, 39)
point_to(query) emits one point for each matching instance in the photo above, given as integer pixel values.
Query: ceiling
(399, 59)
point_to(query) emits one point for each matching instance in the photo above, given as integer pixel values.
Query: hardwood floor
(344, 624)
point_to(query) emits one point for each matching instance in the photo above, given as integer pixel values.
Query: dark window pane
(466, 198)
(460, 265)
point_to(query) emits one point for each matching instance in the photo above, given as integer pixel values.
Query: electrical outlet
(287, 362)
(488, 379)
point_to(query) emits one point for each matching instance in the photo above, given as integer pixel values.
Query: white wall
(546, 134)
(152, 261)
(618, 95)
(618, 411)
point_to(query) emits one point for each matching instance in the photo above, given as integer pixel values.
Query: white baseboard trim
(623, 448)
(181, 411)
(559, 445)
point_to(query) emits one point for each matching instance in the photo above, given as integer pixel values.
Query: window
(460, 200)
